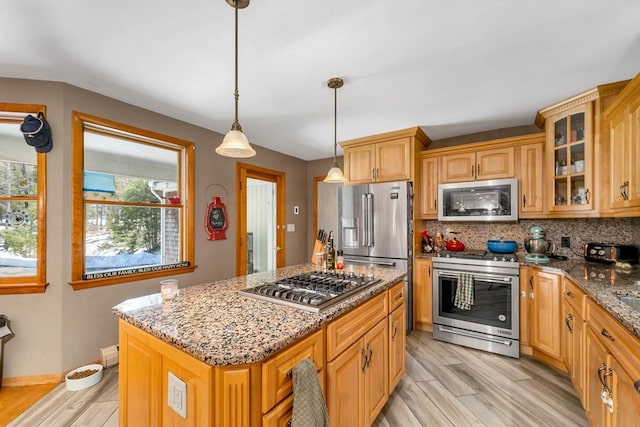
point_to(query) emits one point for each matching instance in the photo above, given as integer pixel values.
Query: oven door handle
(471, 335)
(487, 278)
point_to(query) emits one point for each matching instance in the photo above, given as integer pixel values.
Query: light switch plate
(177, 395)
(291, 228)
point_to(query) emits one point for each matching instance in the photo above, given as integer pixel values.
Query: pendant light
(235, 143)
(335, 175)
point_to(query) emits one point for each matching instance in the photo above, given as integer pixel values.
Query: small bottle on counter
(339, 260)
(331, 255)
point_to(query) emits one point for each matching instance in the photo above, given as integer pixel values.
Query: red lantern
(215, 222)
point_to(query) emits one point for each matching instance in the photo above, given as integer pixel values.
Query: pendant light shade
(335, 175)
(235, 143)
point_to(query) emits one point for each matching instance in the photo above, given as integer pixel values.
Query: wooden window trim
(186, 172)
(37, 283)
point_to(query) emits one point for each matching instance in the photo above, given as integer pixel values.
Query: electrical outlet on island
(565, 242)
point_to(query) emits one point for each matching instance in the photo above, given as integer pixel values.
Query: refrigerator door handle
(370, 238)
(364, 224)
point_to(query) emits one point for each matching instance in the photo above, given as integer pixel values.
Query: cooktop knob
(495, 258)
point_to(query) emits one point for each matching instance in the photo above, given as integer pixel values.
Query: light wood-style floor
(445, 385)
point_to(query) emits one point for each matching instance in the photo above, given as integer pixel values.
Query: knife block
(317, 247)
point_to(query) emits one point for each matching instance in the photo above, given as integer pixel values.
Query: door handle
(601, 369)
(568, 320)
(478, 170)
(473, 168)
(366, 359)
(277, 248)
(524, 200)
(606, 334)
(395, 331)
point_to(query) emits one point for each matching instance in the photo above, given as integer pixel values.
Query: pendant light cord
(236, 94)
(335, 125)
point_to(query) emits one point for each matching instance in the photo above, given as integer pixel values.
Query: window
(22, 205)
(132, 203)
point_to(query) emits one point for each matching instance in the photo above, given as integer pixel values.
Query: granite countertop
(602, 282)
(220, 326)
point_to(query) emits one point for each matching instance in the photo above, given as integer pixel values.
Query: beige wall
(61, 329)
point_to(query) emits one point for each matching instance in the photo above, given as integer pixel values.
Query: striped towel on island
(464, 292)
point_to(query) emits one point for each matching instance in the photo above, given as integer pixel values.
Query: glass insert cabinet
(573, 149)
(571, 154)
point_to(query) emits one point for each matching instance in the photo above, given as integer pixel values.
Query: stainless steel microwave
(491, 200)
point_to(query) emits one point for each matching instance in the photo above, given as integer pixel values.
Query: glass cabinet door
(571, 142)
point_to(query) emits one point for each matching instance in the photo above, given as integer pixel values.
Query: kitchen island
(213, 356)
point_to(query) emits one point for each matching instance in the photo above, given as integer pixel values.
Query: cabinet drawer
(573, 295)
(344, 331)
(396, 296)
(280, 416)
(276, 372)
(622, 344)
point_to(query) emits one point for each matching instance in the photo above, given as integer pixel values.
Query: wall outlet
(565, 242)
(177, 395)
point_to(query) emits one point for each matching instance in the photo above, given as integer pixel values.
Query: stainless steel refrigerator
(375, 227)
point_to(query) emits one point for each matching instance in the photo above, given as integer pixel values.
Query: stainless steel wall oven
(476, 302)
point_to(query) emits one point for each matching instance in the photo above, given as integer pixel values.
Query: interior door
(260, 235)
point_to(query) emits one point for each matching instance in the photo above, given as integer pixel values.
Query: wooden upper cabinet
(574, 155)
(359, 164)
(622, 124)
(531, 176)
(486, 164)
(383, 158)
(393, 160)
(427, 191)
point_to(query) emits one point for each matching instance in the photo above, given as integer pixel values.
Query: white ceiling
(452, 67)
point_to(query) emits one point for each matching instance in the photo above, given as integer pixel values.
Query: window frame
(186, 173)
(37, 283)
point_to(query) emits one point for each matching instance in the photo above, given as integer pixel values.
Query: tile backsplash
(584, 230)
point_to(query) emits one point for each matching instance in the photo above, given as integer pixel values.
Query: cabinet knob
(570, 294)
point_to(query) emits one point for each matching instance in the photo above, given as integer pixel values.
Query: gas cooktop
(315, 291)
(479, 257)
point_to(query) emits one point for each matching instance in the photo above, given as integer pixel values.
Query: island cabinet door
(345, 380)
(397, 326)
(139, 381)
(376, 375)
